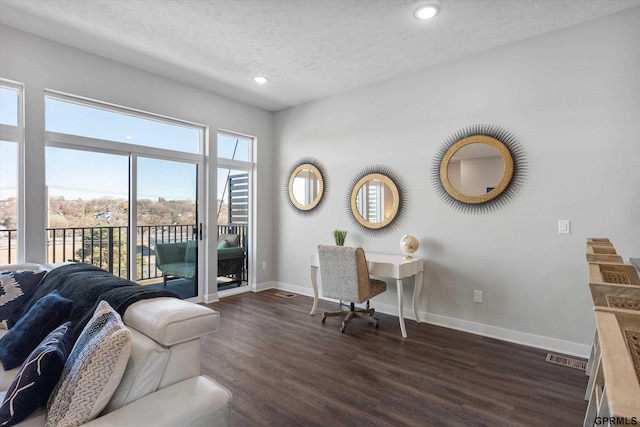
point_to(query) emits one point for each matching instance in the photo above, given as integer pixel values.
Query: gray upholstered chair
(345, 277)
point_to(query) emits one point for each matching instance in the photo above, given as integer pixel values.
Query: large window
(68, 116)
(120, 183)
(234, 147)
(11, 140)
(234, 201)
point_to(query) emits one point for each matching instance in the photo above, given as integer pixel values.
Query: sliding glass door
(87, 197)
(167, 216)
(122, 192)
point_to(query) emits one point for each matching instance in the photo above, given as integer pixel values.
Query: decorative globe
(409, 245)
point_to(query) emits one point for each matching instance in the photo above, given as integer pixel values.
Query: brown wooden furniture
(598, 240)
(605, 258)
(614, 384)
(599, 243)
(610, 250)
(614, 274)
(614, 364)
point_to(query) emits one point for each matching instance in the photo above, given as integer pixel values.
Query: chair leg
(346, 320)
(340, 313)
(365, 313)
(326, 314)
(368, 316)
(164, 279)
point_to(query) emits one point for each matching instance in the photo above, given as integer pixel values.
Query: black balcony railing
(106, 247)
(8, 246)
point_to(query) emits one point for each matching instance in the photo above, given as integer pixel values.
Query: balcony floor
(184, 288)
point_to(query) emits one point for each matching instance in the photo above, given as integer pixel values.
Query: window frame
(134, 151)
(65, 139)
(250, 167)
(17, 135)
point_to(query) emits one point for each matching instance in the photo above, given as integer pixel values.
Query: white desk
(383, 265)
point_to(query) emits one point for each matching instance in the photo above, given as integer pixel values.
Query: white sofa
(162, 384)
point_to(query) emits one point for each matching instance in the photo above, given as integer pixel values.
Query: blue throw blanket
(87, 285)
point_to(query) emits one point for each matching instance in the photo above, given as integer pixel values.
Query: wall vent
(567, 361)
(284, 295)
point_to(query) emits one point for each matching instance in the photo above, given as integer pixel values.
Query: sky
(86, 175)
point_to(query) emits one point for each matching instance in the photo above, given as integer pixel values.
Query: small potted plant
(339, 236)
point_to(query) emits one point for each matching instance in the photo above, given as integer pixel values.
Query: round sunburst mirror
(306, 186)
(375, 200)
(478, 169)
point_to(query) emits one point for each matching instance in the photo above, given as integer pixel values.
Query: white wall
(42, 64)
(571, 98)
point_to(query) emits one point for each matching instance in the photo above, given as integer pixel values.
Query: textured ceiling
(309, 49)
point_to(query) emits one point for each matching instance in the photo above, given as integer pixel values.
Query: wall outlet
(477, 296)
(564, 226)
(264, 265)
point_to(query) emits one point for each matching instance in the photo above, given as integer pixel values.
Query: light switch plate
(564, 226)
(477, 296)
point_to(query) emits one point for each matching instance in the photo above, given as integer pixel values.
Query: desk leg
(314, 284)
(400, 308)
(416, 294)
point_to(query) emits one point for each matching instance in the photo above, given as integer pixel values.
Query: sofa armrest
(171, 321)
(194, 402)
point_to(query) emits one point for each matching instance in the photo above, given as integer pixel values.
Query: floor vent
(284, 295)
(567, 361)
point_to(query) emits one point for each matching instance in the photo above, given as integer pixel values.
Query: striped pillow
(92, 371)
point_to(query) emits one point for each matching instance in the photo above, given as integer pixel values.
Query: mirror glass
(375, 200)
(475, 169)
(306, 186)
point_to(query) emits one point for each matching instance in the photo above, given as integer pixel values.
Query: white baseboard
(264, 286)
(300, 290)
(211, 298)
(510, 335)
(517, 337)
(241, 290)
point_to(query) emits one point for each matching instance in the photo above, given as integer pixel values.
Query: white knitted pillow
(92, 372)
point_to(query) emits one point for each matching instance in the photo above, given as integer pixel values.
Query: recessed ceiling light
(426, 12)
(260, 80)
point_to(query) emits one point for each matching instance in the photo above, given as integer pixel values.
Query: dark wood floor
(285, 368)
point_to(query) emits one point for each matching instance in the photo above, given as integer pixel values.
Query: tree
(105, 247)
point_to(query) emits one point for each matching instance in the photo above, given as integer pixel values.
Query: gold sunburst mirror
(376, 200)
(478, 168)
(306, 186)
